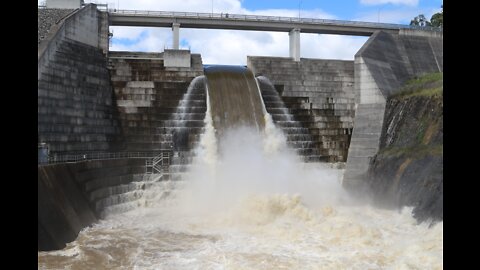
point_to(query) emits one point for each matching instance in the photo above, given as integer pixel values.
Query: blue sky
(232, 47)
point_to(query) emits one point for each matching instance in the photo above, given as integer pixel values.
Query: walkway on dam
(248, 22)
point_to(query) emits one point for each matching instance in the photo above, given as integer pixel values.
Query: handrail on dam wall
(265, 18)
(69, 158)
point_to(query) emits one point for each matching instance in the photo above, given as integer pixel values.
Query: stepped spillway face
(157, 105)
(296, 123)
(321, 91)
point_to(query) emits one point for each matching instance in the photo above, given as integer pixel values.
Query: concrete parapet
(177, 58)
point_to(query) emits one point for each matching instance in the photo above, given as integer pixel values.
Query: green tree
(437, 19)
(420, 20)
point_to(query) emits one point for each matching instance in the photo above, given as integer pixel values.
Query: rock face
(48, 17)
(408, 169)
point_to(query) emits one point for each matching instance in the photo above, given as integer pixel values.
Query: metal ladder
(158, 164)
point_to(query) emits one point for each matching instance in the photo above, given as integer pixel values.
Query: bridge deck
(249, 22)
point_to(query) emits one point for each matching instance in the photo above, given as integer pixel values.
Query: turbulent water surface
(253, 208)
(249, 203)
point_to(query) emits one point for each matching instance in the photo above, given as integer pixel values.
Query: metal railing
(159, 164)
(265, 18)
(69, 158)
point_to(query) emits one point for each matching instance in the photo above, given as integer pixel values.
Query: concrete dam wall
(91, 100)
(149, 98)
(382, 66)
(319, 93)
(76, 110)
(71, 196)
(88, 105)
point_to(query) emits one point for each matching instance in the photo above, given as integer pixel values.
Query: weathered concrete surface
(63, 209)
(83, 26)
(177, 58)
(382, 66)
(76, 107)
(149, 96)
(69, 194)
(327, 93)
(408, 169)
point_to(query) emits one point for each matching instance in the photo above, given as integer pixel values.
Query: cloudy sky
(232, 47)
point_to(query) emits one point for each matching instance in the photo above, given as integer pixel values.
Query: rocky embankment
(48, 17)
(408, 169)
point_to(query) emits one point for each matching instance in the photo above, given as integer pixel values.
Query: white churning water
(253, 205)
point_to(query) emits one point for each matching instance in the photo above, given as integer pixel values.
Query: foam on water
(250, 204)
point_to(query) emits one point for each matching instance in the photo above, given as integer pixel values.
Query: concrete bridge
(291, 25)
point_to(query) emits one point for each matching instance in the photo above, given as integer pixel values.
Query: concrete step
(295, 130)
(161, 123)
(290, 124)
(309, 152)
(169, 110)
(291, 117)
(163, 116)
(315, 158)
(304, 144)
(281, 104)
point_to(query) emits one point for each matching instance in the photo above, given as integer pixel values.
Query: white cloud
(228, 46)
(330, 46)
(389, 16)
(395, 2)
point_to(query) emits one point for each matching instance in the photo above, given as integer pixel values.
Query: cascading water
(249, 203)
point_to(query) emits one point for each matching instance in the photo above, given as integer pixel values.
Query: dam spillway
(248, 208)
(254, 204)
(234, 98)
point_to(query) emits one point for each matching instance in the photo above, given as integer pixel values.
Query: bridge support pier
(294, 35)
(176, 36)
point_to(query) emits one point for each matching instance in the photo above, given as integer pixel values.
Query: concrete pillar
(295, 44)
(176, 36)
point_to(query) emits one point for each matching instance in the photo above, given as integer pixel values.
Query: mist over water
(249, 203)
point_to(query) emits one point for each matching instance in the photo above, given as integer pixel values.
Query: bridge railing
(265, 18)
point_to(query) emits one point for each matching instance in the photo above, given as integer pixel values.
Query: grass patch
(427, 86)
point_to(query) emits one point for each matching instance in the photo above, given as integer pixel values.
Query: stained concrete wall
(382, 66)
(69, 194)
(148, 93)
(82, 26)
(76, 107)
(177, 58)
(328, 85)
